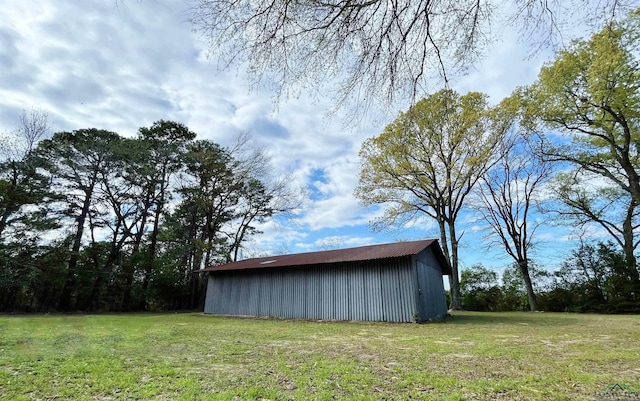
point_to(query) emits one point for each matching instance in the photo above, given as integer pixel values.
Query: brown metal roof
(371, 252)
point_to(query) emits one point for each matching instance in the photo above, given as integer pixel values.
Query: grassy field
(473, 356)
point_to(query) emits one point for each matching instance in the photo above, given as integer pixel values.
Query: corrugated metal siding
(381, 290)
(431, 299)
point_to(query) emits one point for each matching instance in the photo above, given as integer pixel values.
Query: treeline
(93, 221)
(594, 278)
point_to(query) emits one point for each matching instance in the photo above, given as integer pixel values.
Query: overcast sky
(121, 65)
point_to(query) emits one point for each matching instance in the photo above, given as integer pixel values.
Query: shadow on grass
(512, 318)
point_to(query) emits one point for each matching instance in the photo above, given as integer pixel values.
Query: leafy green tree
(514, 290)
(166, 142)
(76, 160)
(428, 161)
(193, 234)
(21, 183)
(596, 279)
(586, 199)
(480, 289)
(590, 95)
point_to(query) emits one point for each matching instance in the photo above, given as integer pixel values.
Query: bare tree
(264, 195)
(33, 126)
(509, 194)
(378, 50)
(20, 182)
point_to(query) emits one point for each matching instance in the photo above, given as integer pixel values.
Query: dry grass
(473, 356)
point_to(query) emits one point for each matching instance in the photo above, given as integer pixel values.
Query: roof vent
(266, 262)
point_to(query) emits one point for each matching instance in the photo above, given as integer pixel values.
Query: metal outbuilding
(398, 282)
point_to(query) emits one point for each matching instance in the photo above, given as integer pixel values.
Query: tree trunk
(524, 269)
(628, 245)
(128, 269)
(70, 278)
(151, 256)
(456, 299)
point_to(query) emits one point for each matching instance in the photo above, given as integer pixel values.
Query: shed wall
(431, 301)
(379, 290)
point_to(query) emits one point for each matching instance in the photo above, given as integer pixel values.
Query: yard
(473, 356)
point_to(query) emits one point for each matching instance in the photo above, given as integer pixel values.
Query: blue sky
(121, 65)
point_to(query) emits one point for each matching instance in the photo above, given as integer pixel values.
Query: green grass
(473, 356)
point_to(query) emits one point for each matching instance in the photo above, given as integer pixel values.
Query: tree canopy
(377, 50)
(90, 220)
(586, 107)
(427, 162)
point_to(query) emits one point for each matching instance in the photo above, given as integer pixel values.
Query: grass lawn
(473, 356)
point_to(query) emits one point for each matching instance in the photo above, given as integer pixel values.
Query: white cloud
(123, 65)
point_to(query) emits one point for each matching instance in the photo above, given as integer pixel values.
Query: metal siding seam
(246, 291)
(352, 291)
(242, 298)
(295, 302)
(248, 303)
(208, 300)
(308, 293)
(384, 287)
(365, 293)
(290, 300)
(368, 300)
(286, 294)
(237, 293)
(309, 312)
(400, 291)
(416, 287)
(326, 297)
(306, 313)
(302, 287)
(356, 293)
(229, 292)
(397, 300)
(277, 295)
(348, 292)
(220, 296)
(337, 307)
(319, 299)
(265, 288)
(292, 294)
(338, 304)
(380, 276)
(225, 294)
(394, 295)
(342, 292)
(407, 292)
(259, 293)
(373, 286)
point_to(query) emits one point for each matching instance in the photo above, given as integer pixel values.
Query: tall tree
(509, 194)
(21, 183)
(121, 219)
(167, 142)
(587, 199)
(427, 162)
(76, 161)
(263, 195)
(590, 95)
(378, 49)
